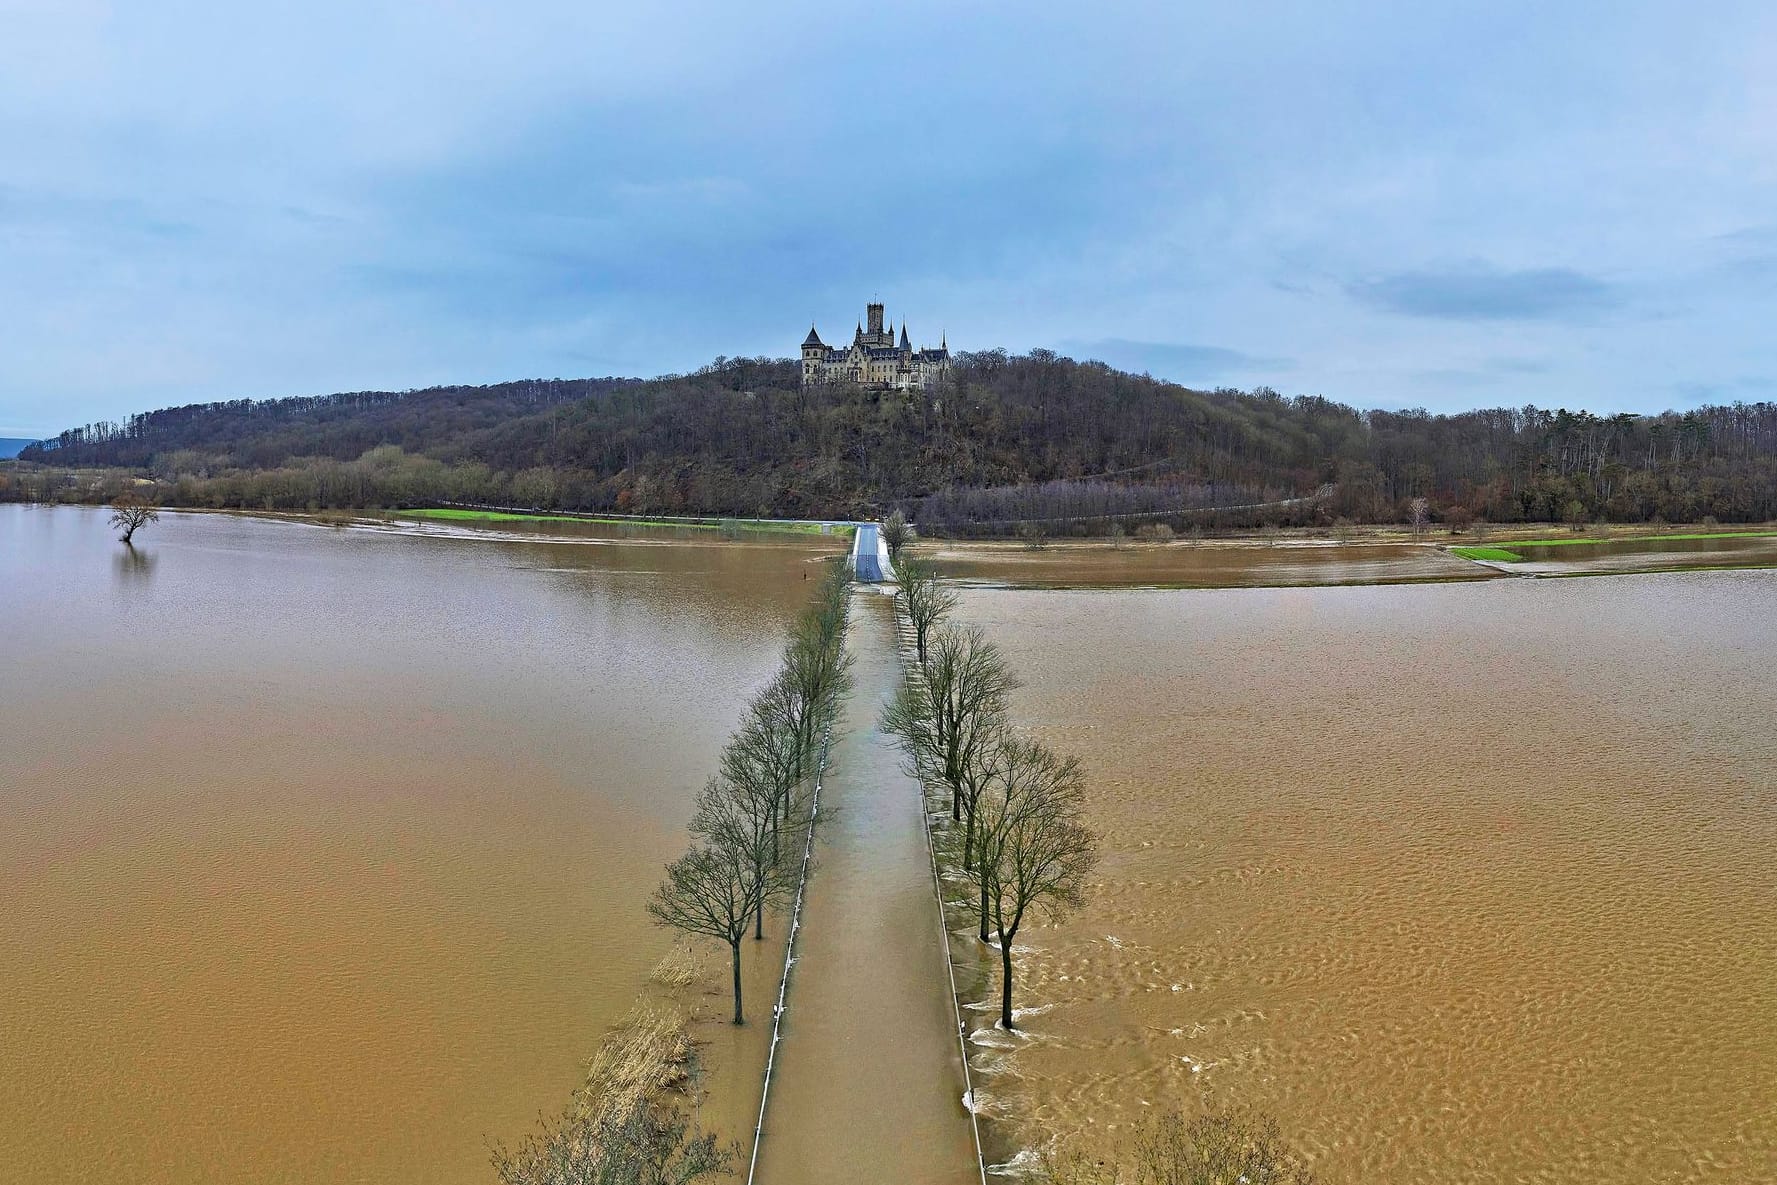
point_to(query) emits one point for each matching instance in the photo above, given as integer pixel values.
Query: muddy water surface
(1245, 563)
(1464, 882)
(323, 853)
(1643, 555)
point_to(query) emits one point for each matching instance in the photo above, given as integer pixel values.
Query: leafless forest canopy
(1006, 440)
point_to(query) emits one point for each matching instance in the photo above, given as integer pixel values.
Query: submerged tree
(945, 713)
(711, 891)
(816, 664)
(766, 752)
(897, 533)
(1033, 850)
(130, 514)
(739, 816)
(927, 601)
(735, 869)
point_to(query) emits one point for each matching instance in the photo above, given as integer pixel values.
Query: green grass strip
(1584, 542)
(451, 514)
(1497, 555)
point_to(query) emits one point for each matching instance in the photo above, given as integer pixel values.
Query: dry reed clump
(678, 970)
(1220, 1146)
(648, 1055)
(626, 1123)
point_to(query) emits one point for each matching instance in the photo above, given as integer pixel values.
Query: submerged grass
(452, 514)
(1497, 555)
(1679, 537)
(1510, 553)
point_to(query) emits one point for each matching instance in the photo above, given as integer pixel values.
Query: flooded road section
(1464, 882)
(323, 853)
(1247, 563)
(869, 1083)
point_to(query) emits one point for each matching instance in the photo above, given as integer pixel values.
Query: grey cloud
(1173, 360)
(1484, 294)
(1486, 373)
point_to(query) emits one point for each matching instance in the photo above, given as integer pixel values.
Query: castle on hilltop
(874, 360)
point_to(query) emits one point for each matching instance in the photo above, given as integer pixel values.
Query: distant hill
(10, 446)
(1005, 440)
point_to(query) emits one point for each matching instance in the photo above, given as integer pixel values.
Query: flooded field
(1465, 882)
(1195, 564)
(1645, 555)
(323, 852)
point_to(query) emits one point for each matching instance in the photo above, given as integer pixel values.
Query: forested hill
(266, 433)
(1007, 439)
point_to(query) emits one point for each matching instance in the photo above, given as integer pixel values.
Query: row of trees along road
(750, 820)
(1016, 806)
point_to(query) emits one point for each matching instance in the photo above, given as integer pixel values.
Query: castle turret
(906, 346)
(874, 312)
(814, 352)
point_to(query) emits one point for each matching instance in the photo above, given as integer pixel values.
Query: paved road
(866, 563)
(869, 1085)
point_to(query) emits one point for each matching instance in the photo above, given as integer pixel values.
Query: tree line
(631, 1120)
(1017, 807)
(1003, 437)
(752, 817)
(1017, 835)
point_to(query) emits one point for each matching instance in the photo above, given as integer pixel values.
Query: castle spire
(905, 344)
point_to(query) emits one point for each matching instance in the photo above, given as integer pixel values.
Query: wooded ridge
(1004, 439)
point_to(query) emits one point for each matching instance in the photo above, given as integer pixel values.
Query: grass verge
(452, 514)
(1681, 537)
(1497, 555)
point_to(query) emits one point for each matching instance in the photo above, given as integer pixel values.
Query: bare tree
(1419, 514)
(710, 891)
(944, 713)
(130, 514)
(722, 885)
(740, 816)
(897, 533)
(767, 752)
(817, 666)
(927, 600)
(1033, 850)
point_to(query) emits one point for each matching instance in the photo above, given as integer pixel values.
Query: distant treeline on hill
(1004, 440)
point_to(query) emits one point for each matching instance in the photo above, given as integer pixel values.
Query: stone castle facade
(874, 359)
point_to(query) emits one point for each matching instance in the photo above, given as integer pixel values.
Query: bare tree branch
(130, 514)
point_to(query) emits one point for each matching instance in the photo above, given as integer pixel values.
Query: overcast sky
(1388, 203)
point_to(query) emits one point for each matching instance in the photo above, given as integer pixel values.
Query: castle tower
(875, 331)
(814, 353)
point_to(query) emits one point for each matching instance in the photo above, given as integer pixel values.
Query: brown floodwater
(323, 852)
(1464, 882)
(1246, 563)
